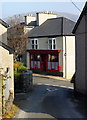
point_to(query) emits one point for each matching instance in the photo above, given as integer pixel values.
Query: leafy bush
(17, 75)
(19, 67)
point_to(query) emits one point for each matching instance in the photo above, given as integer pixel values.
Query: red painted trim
(30, 61)
(60, 68)
(52, 70)
(46, 62)
(41, 64)
(44, 51)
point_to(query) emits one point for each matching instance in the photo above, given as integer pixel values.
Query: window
(35, 61)
(52, 62)
(52, 43)
(34, 43)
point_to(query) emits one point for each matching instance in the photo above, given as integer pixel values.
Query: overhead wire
(75, 5)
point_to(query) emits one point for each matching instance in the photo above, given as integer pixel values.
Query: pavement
(50, 98)
(50, 76)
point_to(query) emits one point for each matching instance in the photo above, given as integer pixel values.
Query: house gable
(83, 13)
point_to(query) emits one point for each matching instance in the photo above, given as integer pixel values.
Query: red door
(43, 62)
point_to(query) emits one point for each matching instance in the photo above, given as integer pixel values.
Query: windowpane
(36, 46)
(32, 46)
(50, 41)
(50, 46)
(32, 41)
(54, 46)
(35, 41)
(53, 41)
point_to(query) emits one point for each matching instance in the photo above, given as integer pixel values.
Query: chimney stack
(43, 16)
(29, 18)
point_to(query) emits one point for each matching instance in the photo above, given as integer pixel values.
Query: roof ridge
(61, 18)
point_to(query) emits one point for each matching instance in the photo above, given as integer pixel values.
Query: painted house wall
(80, 57)
(6, 61)
(3, 34)
(29, 18)
(43, 45)
(67, 62)
(68, 56)
(43, 16)
(59, 46)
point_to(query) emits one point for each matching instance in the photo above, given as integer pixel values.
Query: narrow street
(50, 98)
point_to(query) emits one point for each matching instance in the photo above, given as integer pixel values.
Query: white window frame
(52, 43)
(35, 39)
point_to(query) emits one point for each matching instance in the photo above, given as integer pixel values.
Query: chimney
(43, 16)
(29, 18)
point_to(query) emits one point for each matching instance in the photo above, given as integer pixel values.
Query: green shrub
(17, 75)
(19, 67)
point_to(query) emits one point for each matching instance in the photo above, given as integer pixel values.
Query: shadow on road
(56, 101)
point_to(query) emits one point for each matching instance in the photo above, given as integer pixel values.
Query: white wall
(3, 34)
(6, 61)
(29, 18)
(68, 56)
(42, 17)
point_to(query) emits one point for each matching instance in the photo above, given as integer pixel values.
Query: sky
(10, 8)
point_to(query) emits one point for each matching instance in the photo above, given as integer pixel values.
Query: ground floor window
(52, 62)
(35, 61)
(44, 62)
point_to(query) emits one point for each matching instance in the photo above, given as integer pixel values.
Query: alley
(50, 98)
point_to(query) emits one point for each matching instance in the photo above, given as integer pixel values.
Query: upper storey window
(34, 43)
(52, 43)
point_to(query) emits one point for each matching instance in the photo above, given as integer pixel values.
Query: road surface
(50, 98)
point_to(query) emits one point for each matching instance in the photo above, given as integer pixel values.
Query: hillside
(13, 20)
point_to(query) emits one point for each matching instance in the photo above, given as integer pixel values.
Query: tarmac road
(50, 98)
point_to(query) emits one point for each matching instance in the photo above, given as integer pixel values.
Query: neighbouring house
(18, 34)
(80, 31)
(51, 46)
(6, 66)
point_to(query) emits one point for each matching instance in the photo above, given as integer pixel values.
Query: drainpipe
(65, 60)
(3, 107)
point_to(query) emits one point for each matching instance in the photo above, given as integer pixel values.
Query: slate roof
(32, 23)
(84, 12)
(53, 27)
(11, 51)
(4, 23)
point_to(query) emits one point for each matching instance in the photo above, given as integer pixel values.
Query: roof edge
(51, 36)
(11, 51)
(79, 19)
(4, 23)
